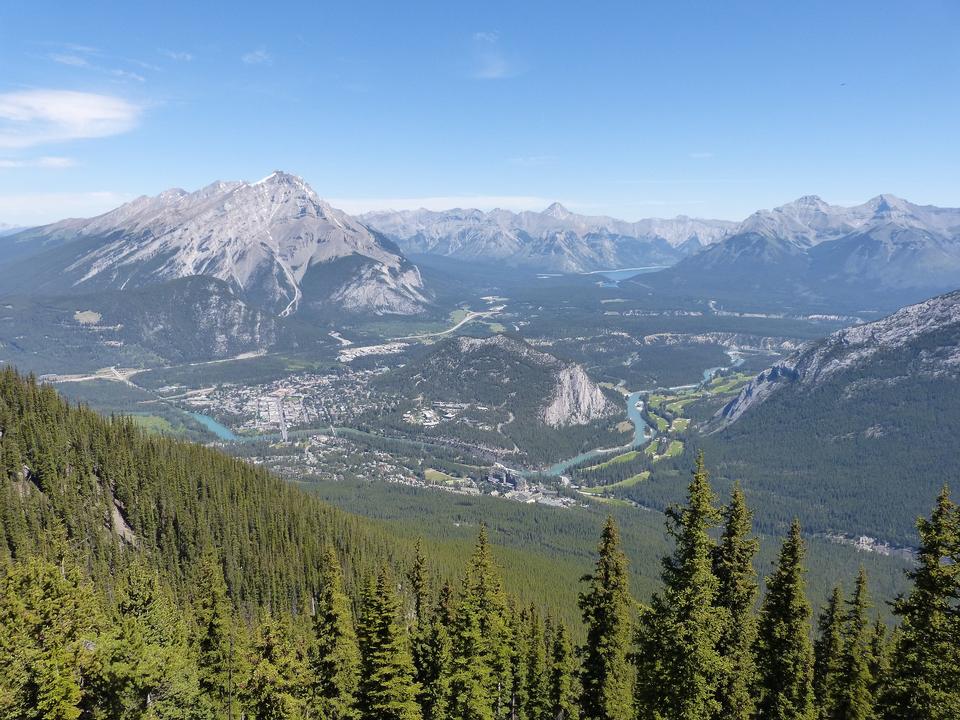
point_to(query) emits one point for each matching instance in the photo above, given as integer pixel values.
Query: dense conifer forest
(142, 577)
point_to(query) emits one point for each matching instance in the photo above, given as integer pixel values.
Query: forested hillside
(141, 577)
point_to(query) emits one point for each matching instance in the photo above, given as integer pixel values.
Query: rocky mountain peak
(557, 211)
(262, 238)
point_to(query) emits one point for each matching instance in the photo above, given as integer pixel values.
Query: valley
(462, 408)
(536, 358)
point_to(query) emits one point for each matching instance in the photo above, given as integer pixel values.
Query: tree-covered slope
(853, 433)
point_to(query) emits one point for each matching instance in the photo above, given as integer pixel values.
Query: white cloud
(38, 117)
(490, 63)
(257, 57)
(127, 75)
(178, 55)
(71, 60)
(28, 210)
(41, 162)
(480, 202)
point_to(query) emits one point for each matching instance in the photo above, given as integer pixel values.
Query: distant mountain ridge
(274, 241)
(553, 240)
(927, 334)
(886, 248)
(853, 429)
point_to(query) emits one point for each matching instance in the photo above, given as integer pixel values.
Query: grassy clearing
(677, 406)
(610, 500)
(655, 401)
(628, 482)
(673, 449)
(724, 385)
(679, 424)
(626, 457)
(496, 327)
(661, 422)
(155, 423)
(436, 476)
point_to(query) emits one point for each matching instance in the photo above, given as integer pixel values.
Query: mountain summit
(275, 242)
(555, 239)
(886, 251)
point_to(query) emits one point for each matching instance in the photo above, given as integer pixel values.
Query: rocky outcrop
(922, 339)
(576, 400)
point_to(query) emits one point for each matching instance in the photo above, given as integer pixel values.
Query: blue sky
(634, 109)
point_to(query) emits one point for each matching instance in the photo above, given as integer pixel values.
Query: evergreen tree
(679, 666)
(879, 659)
(925, 677)
(387, 688)
(482, 642)
(147, 669)
(435, 662)
(784, 654)
(828, 657)
(563, 690)
(606, 675)
(50, 627)
(333, 658)
(736, 595)
(855, 697)
(536, 694)
(272, 691)
(215, 638)
(418, 584)
(519, 654)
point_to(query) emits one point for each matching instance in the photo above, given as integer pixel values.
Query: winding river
(642, 432)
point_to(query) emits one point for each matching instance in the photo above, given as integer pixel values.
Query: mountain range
(885, 250)
(275, 242)
(282, 248)
(554, 240)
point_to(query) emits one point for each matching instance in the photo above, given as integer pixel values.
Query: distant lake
(218, 429)
(613, 277)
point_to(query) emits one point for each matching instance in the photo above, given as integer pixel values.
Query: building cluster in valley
(301, 400)
(334, 456)
(433, 415)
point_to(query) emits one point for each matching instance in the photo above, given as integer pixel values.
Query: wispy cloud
(31, 209)
(490, 62)
(480, 202)
(89, 58)
(71, 60)
(38, 117)
(127, 75)
(178, 55)
(257, 57)
(41, 162)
